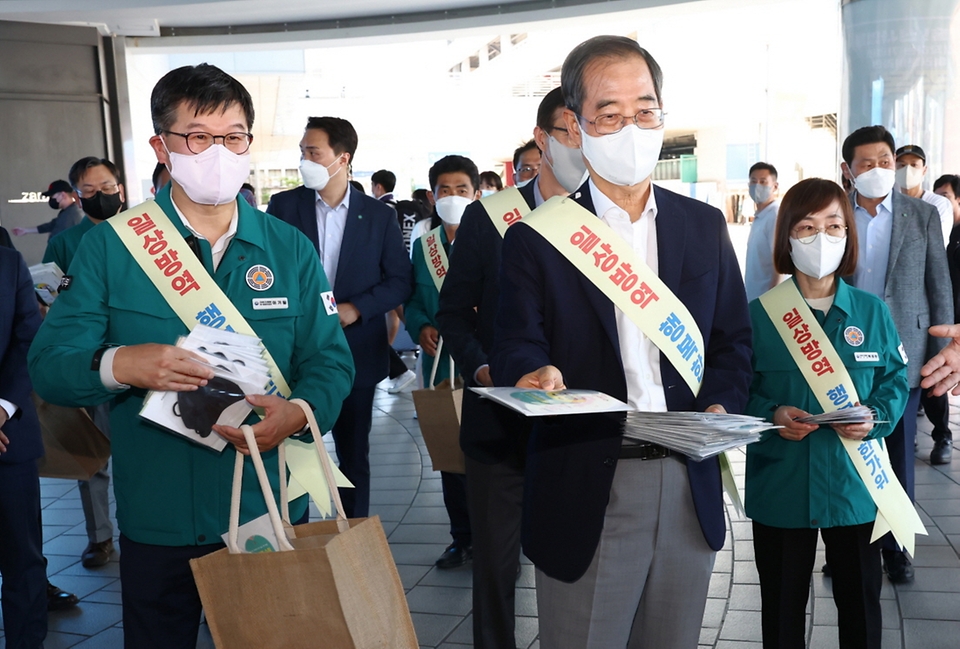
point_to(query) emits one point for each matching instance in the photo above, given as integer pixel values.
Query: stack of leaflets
(698, 435)
(46, 281)
(239, 370)
(851, 415)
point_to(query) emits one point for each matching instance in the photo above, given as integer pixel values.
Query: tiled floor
(406, 495)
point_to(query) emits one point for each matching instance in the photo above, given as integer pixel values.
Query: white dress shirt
(640, 357)
(330, 224)
(944, 209)
(760, 275)
(874, 234)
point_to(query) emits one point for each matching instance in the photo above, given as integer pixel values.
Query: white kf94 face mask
(450, 208)
(213, 177)
(316, 176)
(626, 157)
(875, 183)
(566, 163)
(820, 257)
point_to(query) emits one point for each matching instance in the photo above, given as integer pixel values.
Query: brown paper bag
(74, 448)
(438, 412)
(333, 585)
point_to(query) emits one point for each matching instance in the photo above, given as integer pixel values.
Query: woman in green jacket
(800, 478)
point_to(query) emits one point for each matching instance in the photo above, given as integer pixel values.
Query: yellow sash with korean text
(505, 208)
(435, 256)
(830, 382)
(156, 245)
(612, 266)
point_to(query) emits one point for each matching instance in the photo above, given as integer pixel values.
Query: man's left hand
(282, 420)
(717, 408)
(348, 314)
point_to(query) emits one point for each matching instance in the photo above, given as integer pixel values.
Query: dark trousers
(455, 500)
(937, 410)
(161, 605)
(495, 498)
(23, 596)
(351, 436)
(900, 447)
(397, 366)
(785, 559)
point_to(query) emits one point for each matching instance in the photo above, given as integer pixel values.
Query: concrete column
(900, 70)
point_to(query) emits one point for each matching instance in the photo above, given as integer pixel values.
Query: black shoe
(454, 556)
(942, 451)
(897, 566)
(57, 600)
(97, 554)
(826, 570)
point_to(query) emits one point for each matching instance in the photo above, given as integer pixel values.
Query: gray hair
(600, 47)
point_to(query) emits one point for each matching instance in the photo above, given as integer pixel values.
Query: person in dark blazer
(623, 536)
(492, 437)
(903, 262)
(361, 248)
(23, 598)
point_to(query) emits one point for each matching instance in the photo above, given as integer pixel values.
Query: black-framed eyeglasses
(559, 128)
(608, 124)
(198, 141)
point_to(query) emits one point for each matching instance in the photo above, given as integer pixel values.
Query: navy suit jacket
(373, 273)
(468, 307)
(550, 314)
(19, 321)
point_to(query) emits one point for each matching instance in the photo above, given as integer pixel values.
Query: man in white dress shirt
(760, 275)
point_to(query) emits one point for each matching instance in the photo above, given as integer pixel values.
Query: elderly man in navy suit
(623, 535)
(24, 594)
(361, 248)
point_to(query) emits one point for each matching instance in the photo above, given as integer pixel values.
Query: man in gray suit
(903, 262)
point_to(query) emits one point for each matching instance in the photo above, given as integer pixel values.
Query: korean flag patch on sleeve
(329, 302)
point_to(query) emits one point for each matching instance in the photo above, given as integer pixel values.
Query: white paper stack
(240, 370)
(852, 415)
(46, 281)
(698, 435)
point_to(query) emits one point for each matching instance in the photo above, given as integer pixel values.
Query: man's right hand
(160, 367)
(429, 336)
(547, 377)
(19, 232)
(4, 440)
(942, 372)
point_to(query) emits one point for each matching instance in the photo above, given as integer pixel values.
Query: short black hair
(763, 166)
(384, 178)
(520, 150)
(205, 88)
(866, 135)
(356, 185)
(948, 179)
(79, 168)
(601, 47)
(548, 106)
(454, 164)
(340, 133)
(491, 178)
